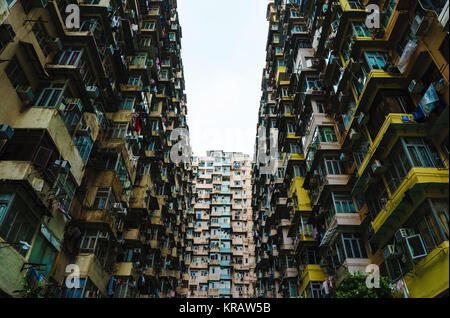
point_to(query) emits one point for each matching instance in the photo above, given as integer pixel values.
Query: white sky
(223, 51)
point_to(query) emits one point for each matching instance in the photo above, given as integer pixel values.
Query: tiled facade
(220, 228)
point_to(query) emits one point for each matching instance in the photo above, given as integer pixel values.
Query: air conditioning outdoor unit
(377, 167)
(402, 234)
(421, 25)
(63, 164)
(92, 91)
(117, 207)
(26, 94)
(54, 43)
(84, 131)
(103, 235)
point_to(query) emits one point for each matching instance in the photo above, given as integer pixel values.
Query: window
(325, 134)
(84, 145)
(291, 128)
(17, 221)
(430, 220)
(444, 48)
(343, 203)
(299, 171)
(164, 75)
(352, 247)
(298, 28)
(64, 189)
(52, 95)
(360, 29)
(355, 5)
(389, 9)
(148, 25)
(314, 290)
(42, 36)
(321, 108)
(422, 154)
(295, 148)
(312, 83)
(304, 44)
(134, 81)
(44, 251)
(89, 25)
(145, 42)
(118, 131)
(140, 60)
(16, 74)
(127, 103)
(376, 60)
(104, 199)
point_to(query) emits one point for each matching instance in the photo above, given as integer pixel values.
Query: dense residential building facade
(361, 115)
(220, 228)
(85, 172)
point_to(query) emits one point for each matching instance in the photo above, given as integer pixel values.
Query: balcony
(133, 235)
(345, 219)
(310, 273)
(125, 269)
(393, 122)
(430, 276)
(416, 186)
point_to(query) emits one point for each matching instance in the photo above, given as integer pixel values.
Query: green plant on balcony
(354, 286)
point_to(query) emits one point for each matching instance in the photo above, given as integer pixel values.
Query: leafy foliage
(354, 286)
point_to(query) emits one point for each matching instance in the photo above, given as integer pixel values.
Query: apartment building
(220, 227)
(361, 114)
(86, 181)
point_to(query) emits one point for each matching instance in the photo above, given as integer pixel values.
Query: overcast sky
(223, 51)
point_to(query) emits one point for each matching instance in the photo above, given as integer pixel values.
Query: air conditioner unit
(84, 131)
(117, 207)
(73, 102)
(103, 235)
(354, 135)
(363, 119)
(123, 212)
(390, 251)
(54, 44)
(402, 234)
(63, 164)
(416, 246)
(421, 25)
(6, 132)
(92, 91)
(26, 94)
(377, 167)
(416, 87)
